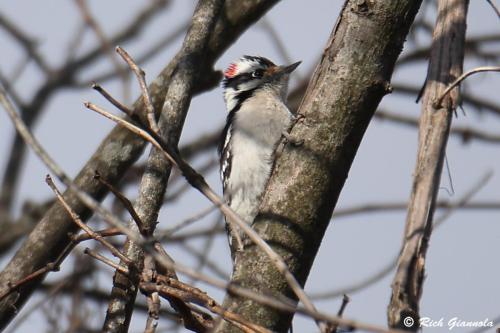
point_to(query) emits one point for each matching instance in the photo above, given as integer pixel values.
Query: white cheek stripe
(245, 65)
(230, 98)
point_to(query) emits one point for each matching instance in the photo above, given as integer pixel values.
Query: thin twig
(146, 97)
(106, 45)
(192, 317)
(83, 226)
(495, 8)
(125, 201)
(332, 328)
(203, 169)
(345, 301)
(196, 296)
(450, 207)
(199, 255)
(186, 222)
(109, 232)
(107, 261)
(147, 55)
(437, 103)
(30, 140)
(164, 235)
(403, 205)
(29, 44)
(53, 291)
(133, 128)
(111, 99)
(466, 134)
(50, 267)
(75, 42)
(8, 85)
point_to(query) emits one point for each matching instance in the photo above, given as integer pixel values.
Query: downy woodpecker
(255, 92)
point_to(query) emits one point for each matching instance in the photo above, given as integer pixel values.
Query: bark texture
(445, 66)
(346, 88)
(119, 150)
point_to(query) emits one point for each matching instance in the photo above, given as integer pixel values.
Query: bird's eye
(257, 73)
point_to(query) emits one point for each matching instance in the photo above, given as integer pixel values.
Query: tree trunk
(342, 96)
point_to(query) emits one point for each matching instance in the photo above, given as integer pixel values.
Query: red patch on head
(231, 71)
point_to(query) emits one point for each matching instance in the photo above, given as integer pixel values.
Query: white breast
(256, 132)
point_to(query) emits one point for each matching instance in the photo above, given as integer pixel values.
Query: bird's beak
(290, 68)
(277, 72)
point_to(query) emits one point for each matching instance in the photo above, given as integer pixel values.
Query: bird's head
(249, 73)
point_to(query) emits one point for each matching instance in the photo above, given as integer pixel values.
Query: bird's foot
(293, 140)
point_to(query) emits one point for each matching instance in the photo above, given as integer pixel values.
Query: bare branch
(465, 133)
(439, 100)
(473, 47)
(112, 100)
(345, 300)
(186, 222)
(276, 41)
(210, 264)
(106, 45)
(495, 8)
(397, 206)
(146, 97)
(445, 64)
(28, 43)
(147, 55)
(126, 202)
(102, 233)
(83, 226)
(172, 287)
(450, 208)
(477, 102)
(101, 258)
(52, 291)
(11, 287)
